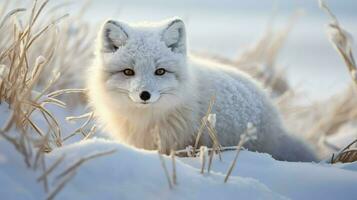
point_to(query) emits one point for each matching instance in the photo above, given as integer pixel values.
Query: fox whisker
(170, 93)
(167, 90)
(119, 90)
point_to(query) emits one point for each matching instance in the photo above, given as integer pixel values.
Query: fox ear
(174, 36)
(113, 36)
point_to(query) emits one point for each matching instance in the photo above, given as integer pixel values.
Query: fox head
(143, 65)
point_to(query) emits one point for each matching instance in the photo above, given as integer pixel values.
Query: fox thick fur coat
(145, 88)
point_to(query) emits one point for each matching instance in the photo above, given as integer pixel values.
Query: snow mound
(295, 180)
(137, 174)
(126, 174)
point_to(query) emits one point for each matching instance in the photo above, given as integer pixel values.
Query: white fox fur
(179, 98)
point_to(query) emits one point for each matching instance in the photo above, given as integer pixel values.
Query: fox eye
(160, 72)
(128, 72)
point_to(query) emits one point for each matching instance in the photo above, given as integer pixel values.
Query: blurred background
(227, 27)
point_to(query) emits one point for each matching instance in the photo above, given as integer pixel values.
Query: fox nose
(145, 95)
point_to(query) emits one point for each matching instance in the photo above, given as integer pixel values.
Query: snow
(126, 174)
(137, 174)
(293, 180)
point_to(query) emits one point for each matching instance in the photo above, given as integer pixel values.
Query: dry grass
(32, 69)
(18, 86)
(347, 154)
(341, 40)
(346, 111)
(325, 118)
(203, 124)
(29, 74)
(250, 134)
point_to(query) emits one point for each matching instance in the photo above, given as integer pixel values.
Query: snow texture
(136, 174)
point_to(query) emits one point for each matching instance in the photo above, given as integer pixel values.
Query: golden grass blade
(43, 148)
(45, 29)
(66, 91)
(11, 13)
(214, 137)
(249, 134)
(233, 164)
(48, 86)
(347, 156)
(85, 115)
(203, 124)
(341, 40)
(54, 102)
(81, 129)
(46, 113)
(35, 127)
(39, 11)
(91, 132)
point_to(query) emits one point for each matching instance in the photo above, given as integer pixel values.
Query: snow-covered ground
(137, 174)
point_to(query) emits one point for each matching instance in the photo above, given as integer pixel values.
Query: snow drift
(136, 174)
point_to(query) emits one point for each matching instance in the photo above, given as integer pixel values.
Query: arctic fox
(144, 85)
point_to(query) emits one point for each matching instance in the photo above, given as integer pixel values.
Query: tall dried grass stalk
(347, 154)
(31, 70)
(203, 123)
(250, 134)
(345, 111)
(341, 40)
